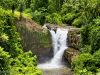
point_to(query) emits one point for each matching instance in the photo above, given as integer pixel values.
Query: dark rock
(51, 26)
(74, 38)
(70, 54)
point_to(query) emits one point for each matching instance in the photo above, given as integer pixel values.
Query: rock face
(73, 44)
(74, 38)
(34, 37)
(70, 53)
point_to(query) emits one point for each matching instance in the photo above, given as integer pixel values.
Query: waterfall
(59, 42)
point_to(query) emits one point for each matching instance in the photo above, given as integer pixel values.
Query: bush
(87, 64)
(54, 18)
(85, 35)
(89, 59)
(96, 56)
(83, 64)
(90, 36)
(95, 38)
(4, 62)
(39, 17)
(24, 64)
(68, 18)
(97, 21)
(78, 22)
(86, 49)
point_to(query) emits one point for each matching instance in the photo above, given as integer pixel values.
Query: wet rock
(50, 26)
(70, 54)
(74, 38)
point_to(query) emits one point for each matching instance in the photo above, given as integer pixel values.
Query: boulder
(74, 38)
(70, 54)
(50, 26)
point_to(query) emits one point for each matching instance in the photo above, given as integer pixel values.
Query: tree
(13, 8)
(21, 9)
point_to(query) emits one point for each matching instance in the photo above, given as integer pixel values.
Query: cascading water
(59, 39)
(59, 44)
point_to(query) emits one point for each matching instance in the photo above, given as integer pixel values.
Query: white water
(59, 39)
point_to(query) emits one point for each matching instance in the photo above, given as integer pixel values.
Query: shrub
(4, 62)
(83, 64)
(39, 17)
(97, 21)
(24, 64)
(95, 38)
(54, 18)
(78, 22)
(68, 18)
(85, 34)
(86, 49)
(96, 59)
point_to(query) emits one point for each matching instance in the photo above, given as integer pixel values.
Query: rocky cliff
(34, 37)
(73, 44)
(74, 38)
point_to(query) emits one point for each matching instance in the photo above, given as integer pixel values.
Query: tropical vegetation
(84, 14)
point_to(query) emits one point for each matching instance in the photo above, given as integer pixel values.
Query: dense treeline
(80, 13)
(72, 12)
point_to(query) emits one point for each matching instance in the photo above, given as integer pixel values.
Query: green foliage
(97, 21)
(86, 49)
(85, 31)
(28, 3)
(75, 12)
(90, 47)
(79, 13)
(54, 6)
(4, 37)
(83, 64)
(39, 17)
(24, 64)
(4, 61)
(45, 10)
(90, 35)
(97, 58)
(9, 37)
(95, 38)
(87, 64)
(85, 11)
(54, 18)
(13, 60)
(7, 4)
(40, 4)
(68, 18)
(78, 22)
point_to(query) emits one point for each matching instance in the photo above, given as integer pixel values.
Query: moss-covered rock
(70, 54)
(74, 38)
(73, 43)
(34, 37)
